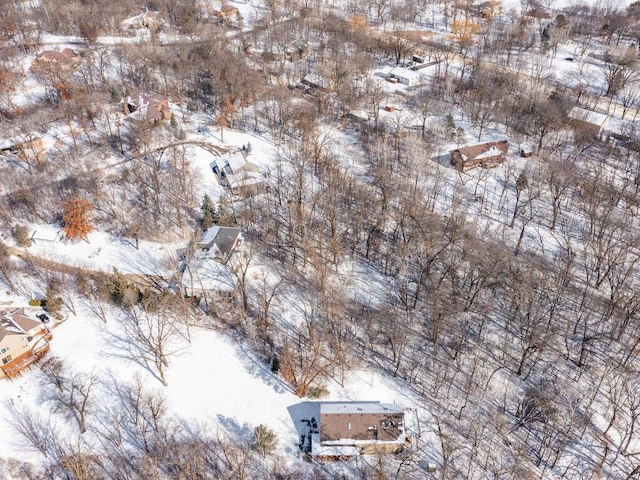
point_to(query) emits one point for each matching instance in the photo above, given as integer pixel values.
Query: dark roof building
(358, 428)
(484, 155)
(220, 240)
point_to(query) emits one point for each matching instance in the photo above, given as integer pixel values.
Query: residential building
(146, 107)
(64, 60)
(220, 241)
(207, 278)
(237, 174)
(588, 121)
(23, 341)
(347, 429)
(405, 76)
(484, 155)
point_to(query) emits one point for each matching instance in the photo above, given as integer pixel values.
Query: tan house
(66, 59)
(238, 174)
(486, 155)
(146, 107)
(588, 121)
(226, 12)
(23, 341)
(358, 428)
(148, 19)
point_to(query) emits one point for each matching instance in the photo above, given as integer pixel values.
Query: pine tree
(75, 217)
(265, 440)
(208, 212)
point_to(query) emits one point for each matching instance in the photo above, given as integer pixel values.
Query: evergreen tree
(208, 212)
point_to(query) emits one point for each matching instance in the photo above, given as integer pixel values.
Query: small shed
(526, 151)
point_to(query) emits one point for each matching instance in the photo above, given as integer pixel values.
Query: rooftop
(483, 150)
(337, 408)
(588, 116)
(222, 237)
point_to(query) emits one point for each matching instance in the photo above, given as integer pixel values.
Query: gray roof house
(220, 241)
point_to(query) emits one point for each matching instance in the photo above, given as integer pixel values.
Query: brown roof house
(484, 155)
(536, 15)
(337, 430)
(23, 341)
(146, 107)
(65, 60)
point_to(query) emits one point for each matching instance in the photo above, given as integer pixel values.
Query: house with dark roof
(484, 155)
(23, 341)
(220, 241)
(339, 430)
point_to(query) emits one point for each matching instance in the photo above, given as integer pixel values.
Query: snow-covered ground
(212, 381)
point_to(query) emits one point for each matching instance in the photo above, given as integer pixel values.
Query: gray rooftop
(224, 238)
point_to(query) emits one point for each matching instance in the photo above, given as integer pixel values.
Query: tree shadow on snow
(260, 369)
(122, 347)
(244, 433)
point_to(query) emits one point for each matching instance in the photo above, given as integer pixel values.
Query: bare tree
(151, 338)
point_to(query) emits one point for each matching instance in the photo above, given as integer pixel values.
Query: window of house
(4, 350)
(6, 359)
(349, 426)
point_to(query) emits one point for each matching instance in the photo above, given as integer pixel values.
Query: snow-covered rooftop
(336, 408)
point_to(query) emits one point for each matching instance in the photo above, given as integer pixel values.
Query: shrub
(34, 302)
(21, 236)
(264, 440)
(124, 293)
(52, 303)
(317, 392)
